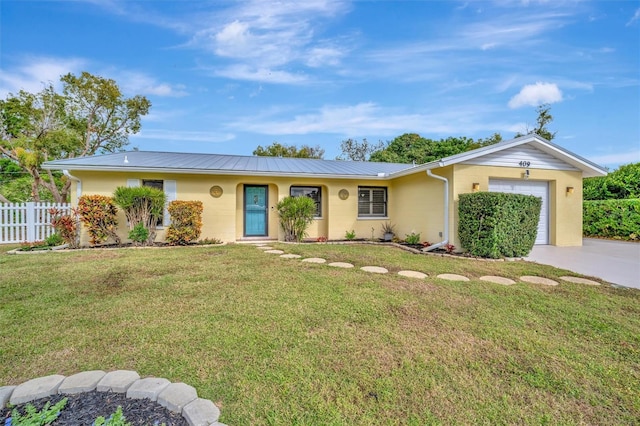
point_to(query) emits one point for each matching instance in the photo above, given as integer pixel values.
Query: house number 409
(524, 163)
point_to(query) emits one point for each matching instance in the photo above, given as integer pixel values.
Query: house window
(312, 192)
(157, 184)
(372, 201)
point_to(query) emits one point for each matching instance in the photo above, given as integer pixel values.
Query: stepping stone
(578, 280)
(148, 388)
(41, 387)
(538, 280)
(290, 256)
(264, 248)
(117, 381)
(81, 382)
(201, 412)
(314, 260)
(497, 280)
(413, 274)
(341, 265)
(274, 251)
(453, 277)
(375, 269)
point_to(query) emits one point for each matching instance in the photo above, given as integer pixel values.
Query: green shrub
(186, 222)
(99, 215)
(495, 224)
(619, 219)
(54, 240)
(296, 214)
(622, 183)
(33, 417)
(350, 235)
(143, 205)
(139, 234)
(412, 238)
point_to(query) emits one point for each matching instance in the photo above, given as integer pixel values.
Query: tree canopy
(358, 151)
(413, 148)
(543, 119)
(90, 115)
(277, 149)
(622, 183)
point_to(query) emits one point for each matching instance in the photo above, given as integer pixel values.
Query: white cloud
(264, 75)
(183, 136)
(369, 118)
(634, 18)
(34, 72)
(618, 158)
(536, 94)
(139, 83)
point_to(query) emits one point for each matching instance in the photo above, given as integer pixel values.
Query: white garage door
(526, 187)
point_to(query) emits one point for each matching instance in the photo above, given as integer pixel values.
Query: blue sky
(227, 76)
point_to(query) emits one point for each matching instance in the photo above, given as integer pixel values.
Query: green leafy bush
(99, 215)
(186, 222)
(350, 235)
(296, 214)
(495, 224)
(116, 419)
(143, 205)
(412, 238)
(139, 234)
(619, 219)
(54, 240)
(622, 183)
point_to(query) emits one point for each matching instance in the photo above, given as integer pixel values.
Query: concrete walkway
(617, 262)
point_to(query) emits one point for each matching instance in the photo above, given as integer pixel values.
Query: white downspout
(78, 185)
(446, 212)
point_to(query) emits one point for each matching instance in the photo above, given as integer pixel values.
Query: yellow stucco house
(239, 193)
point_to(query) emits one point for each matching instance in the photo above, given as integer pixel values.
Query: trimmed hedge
(619, 219)
(496, 224)
(186, 222)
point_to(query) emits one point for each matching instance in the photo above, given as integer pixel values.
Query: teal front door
(255, 210)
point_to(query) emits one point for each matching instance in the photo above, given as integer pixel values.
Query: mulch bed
(83, 408)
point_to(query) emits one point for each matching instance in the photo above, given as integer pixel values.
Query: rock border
(177, 397)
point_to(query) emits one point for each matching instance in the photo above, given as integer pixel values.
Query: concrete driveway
(617, 262)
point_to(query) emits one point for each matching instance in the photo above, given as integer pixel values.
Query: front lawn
(277, 341)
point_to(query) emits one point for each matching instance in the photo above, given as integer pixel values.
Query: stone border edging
(64, 248)
(177, 397)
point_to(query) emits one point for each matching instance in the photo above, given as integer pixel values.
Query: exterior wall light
(475, 186)
(569, 190)
(526, 174)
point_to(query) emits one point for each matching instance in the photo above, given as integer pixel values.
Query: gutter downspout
(446, 212)
(78, 185)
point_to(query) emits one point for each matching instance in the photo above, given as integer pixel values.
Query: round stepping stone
(497, 280)
(538, 280)
(290, 256)
(274, 251)
(314, 260)
(264, 247)
(341, 265)
(413, 274)
(578, 280)
(453, 277)
(375, 269)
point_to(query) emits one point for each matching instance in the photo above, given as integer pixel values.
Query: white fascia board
(221, 172)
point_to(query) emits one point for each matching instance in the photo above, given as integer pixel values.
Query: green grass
(276, 341)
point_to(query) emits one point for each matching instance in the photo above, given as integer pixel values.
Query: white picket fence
(27, 222)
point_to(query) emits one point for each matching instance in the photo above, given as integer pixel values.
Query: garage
(527, 187)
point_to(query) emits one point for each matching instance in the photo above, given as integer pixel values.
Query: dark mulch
(83, 408)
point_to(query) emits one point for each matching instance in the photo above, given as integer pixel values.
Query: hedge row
(619, 219)
(495, 224)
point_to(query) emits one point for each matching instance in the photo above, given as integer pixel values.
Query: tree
(544, 118)
(358, 151)
(90, 115)
(296, 214)
(413, 148)
(277, 149)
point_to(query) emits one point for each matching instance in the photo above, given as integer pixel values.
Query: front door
(255, 210)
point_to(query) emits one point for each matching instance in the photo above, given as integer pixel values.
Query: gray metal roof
(178, 162)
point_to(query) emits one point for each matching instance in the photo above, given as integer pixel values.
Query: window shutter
(170, 194)
(379, 203)
(133, 183)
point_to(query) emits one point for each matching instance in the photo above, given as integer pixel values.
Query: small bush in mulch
(84, 408)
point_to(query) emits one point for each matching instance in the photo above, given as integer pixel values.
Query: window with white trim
(313, 192)
(372, 201)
